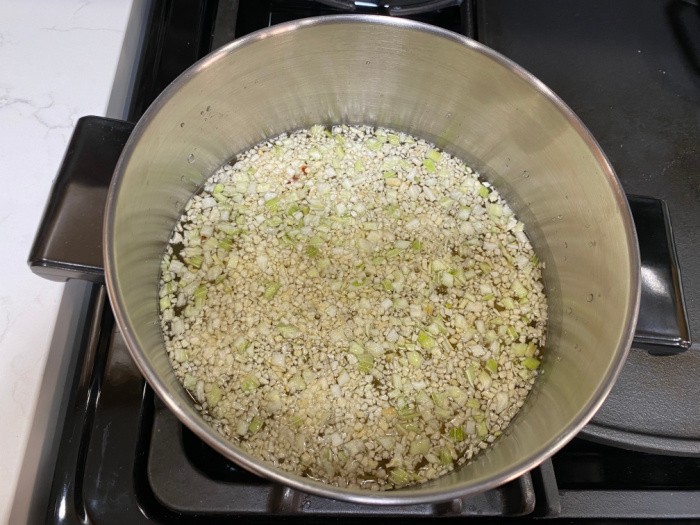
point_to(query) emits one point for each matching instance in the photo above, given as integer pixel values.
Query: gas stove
(630, 70)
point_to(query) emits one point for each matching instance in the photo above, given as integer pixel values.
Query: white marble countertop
(59, 61)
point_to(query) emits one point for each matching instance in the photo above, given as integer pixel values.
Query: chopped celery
(495, 210)
(241, 344)
(200, 295)
(190, 382)
(358, 283)
(272, 204)
(273, 222)
(485, 267)
(445, 456)
(484, 380)
(414, 359)
(312, 251)
(356, 349)
(180, 355)
(195, 261)
(457, 394)
(296, 421)
(226, 244)
(531, 363)
(392, 210)
(518, 289)
(249, 383)
(456, 433)
(286, 240)
(316, 241)
(297, 383)
(365, 362)
(519, 349)
(438, 323)
(323, 264)
(399, 477)
(419, 447)
(470, 372)
(508, 303)
(255, 424)
(374, 144)
(288, 331)
(407, 413)
(213, 396)
(271, 290)
(434, 155)
(530, 350)
(492, 365)
(440, 399)
(473, 403)
(429, 165)
(444, 414)
(425, 340)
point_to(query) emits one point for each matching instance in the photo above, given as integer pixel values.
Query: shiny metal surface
(640, 100)
(434, 84)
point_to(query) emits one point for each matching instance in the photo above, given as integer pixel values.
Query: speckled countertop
(59, 60)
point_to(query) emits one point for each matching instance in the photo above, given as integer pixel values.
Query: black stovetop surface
(126, 459)
(631, 71)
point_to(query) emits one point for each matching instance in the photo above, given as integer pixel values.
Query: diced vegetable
(456, 433)
(531, 363)
(271, 290)
(255, 424)
(354, 304)
(426, 341)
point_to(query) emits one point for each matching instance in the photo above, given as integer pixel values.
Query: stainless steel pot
(443, 87)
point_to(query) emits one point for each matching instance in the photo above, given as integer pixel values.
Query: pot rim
(410, 495)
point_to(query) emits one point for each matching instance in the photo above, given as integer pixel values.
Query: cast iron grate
(188, 476)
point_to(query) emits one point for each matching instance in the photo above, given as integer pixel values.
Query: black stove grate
(183, 31)
(124, 458)
(457, 16)
(188, 476)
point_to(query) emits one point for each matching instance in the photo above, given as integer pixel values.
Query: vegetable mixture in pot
(353, 305)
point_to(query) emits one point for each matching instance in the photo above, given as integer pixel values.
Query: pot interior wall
(433, 86)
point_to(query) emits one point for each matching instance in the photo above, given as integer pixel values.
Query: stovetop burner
(124, 458)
